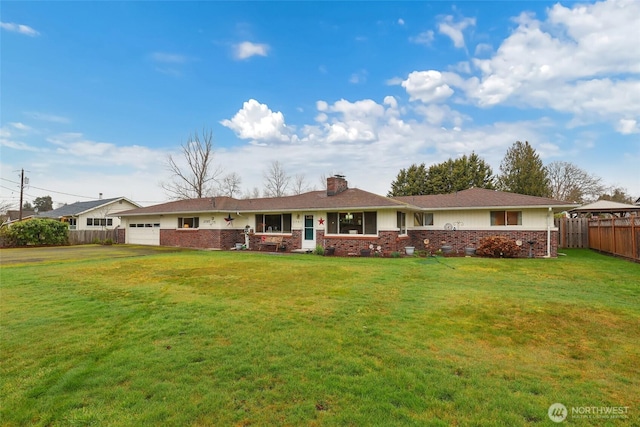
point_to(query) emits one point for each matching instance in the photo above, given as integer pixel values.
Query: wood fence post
(599, 235)
(634, 244)
(613, 234)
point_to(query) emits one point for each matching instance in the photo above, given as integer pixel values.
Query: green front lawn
(228, 338)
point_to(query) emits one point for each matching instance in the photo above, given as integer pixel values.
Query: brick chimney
(336, 184)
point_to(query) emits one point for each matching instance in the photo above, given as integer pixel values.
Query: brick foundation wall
(229, 238)
(461, 239)
(201, 239)
(345, 244)
(291, 241)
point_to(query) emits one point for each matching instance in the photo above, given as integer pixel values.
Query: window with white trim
(352, 223)
(189, 222)
(99, 222)
(506, 218)
(422, 218)
(273, 223)
(402, 222)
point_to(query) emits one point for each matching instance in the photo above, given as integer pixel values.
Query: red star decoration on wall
(321, 221)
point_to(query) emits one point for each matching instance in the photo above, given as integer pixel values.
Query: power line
(68, 194)
(16, 197)
(50, 191)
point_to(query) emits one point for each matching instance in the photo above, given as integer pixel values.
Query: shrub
(395, 254)
(497, 247)
(7, 239)
(319, 250)
(37, 232)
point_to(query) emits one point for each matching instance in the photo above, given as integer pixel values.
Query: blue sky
(95, 95)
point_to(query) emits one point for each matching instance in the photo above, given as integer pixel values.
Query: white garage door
(143, 234)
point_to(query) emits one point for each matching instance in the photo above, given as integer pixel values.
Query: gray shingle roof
(349, 199)
(77, 208)
(482, 198)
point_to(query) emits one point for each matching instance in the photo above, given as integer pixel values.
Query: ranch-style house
(348, 220)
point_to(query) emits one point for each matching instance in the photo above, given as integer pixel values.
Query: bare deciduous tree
(300, 184)
(616, 194)
(197, 178)
(252, 194)
(230, 185)
(570, 183)
(276, 180)
(323, 181)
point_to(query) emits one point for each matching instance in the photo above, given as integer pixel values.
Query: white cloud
(394, 81)
(628, 126)
(257, 122)
(400, 21)
(358, 77)
(171, 58)
(483, 48)
(321, 118)
(76, 149)
(322, 105)
(425, 38)
(246, 50)
(454, 30)
(20, 126)
(46, 117)
(581, 60)
(427, 86)
(19, 28)
(358, 109)
(16, 145)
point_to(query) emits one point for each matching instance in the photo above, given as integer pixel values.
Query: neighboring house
(347, 219)
(91, 215)
(14, 215)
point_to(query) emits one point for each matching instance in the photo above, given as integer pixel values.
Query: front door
(308, 234)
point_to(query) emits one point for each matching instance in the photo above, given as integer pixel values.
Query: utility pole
(21, 191)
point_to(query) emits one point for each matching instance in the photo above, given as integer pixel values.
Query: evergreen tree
(522, 171)
(410, 182)
(443, 178)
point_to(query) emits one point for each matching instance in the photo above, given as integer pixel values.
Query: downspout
(549, 216)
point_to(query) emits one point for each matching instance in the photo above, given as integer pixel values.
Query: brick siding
(346, 244)
(389, 241)
(202, 239)
(461, 239)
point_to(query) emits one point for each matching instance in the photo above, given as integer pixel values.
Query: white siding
(532, 219)
(104, 212)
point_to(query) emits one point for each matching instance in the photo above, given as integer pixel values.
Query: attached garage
(143, 234)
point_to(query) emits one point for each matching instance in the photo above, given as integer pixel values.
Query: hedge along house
(461, 220)
(347, 220)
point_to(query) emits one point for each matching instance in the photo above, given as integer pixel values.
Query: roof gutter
(549, 218)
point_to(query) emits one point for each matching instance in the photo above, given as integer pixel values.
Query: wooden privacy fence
(573, 232)
(81, 237)
(617, 236)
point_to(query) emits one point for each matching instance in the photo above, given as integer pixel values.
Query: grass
(226, 338)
